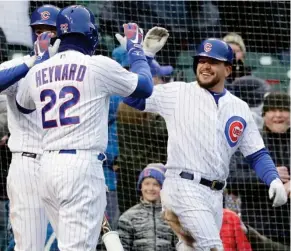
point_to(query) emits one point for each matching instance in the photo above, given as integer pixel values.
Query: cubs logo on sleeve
(234, 129)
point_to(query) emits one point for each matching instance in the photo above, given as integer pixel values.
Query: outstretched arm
(132, 42)
(252, 147)
(43, 51)
(154, 42)
(12, 75)
(140, 60)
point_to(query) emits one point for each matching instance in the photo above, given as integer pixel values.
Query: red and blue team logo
(45, 15)
(207, 47)
(147, 172)
(64, 27)
(234, 129)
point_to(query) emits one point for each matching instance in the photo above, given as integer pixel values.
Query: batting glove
(154, 41)
(133, 37)
(277, 193)
(42, 47)
(30, 61)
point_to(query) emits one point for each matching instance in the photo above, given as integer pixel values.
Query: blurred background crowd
(259, 33)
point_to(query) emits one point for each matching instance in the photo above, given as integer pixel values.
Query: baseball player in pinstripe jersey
(27, 215)
(71, 91)
(206, 125)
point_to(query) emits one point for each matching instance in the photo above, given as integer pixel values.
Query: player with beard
(206, 124)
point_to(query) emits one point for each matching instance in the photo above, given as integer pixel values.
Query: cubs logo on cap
(45, 15)
(234, 129)
(207, 47)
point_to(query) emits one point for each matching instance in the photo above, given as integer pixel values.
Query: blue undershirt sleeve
(263, 165)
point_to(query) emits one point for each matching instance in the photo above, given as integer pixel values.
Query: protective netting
(260, 34)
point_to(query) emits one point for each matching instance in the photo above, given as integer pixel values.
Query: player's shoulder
(171, 86)
(236, 100)
(13, 62)
(103, 60)
(36, 67)
(103, 64)
(193, 85)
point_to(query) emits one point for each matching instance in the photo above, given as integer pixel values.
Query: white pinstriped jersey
(24, 129)
(203, 135)
(71, 91)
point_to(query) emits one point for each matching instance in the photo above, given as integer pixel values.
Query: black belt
(29, 155)
(101, 156)
(213, 184)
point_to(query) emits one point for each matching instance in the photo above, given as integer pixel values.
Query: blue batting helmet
(214, 48)
(78, 19)
(46, 14)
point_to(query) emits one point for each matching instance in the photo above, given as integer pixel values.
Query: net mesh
(141, 138)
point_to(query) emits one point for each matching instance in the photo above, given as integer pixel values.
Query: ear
(228, 70)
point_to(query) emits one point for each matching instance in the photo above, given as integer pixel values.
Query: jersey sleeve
(115, 80)
(251, 139)
(11, 90)
(164, 98)
(24, 99)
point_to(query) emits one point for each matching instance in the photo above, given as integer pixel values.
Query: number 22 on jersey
(63, 120)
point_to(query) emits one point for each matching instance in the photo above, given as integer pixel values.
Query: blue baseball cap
(120, 56)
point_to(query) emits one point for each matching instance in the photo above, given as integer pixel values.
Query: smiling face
(150, 189)
(277, 120)
(239, 55)
(211, 72)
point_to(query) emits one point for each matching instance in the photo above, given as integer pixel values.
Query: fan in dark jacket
(142, 228)
(257, 210)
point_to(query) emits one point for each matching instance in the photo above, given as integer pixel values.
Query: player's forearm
(12, 75)
(144, 86)
(137, 103)
(139, 65)
(264, 166)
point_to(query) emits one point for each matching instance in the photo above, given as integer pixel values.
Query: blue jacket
(112, 150)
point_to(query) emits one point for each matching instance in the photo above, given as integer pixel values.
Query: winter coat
(141, 228)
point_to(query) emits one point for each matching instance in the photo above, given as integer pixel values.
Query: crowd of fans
(136, 152)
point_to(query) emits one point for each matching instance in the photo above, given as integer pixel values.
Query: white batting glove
(30, 61)
(277, 193)
(155, 40)
(53, 49)
(121, 40)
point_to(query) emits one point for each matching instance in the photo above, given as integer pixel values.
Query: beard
(208, 84)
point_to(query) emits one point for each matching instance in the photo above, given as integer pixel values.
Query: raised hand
(155, 40)
(43, 48)
(133, 37)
